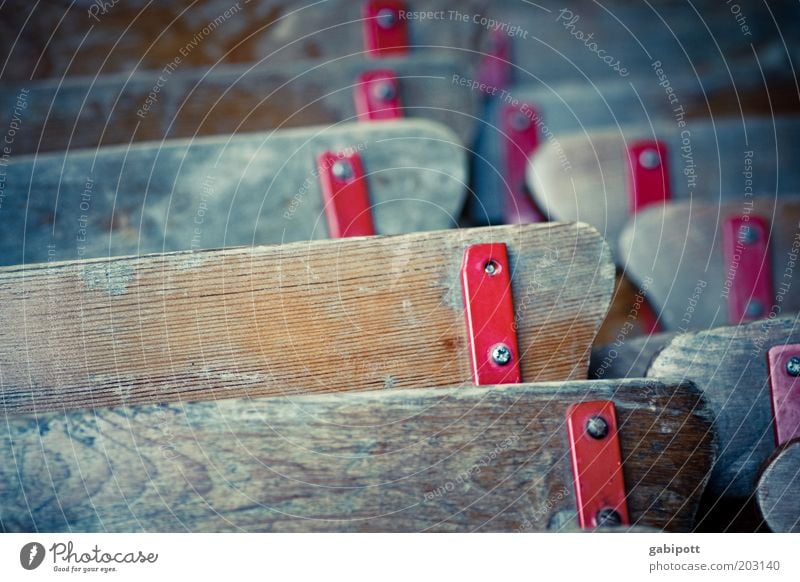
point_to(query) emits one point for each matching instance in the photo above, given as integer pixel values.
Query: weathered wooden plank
(450, 459)
(54, 40)
(85, 112)
(348, 314)
(593, 186)
(778, 490)
(729, 365)
(677, 248)
(223, 191)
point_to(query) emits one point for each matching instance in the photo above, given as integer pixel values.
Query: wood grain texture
(627, 356)
(677, 250)
(348, 314)
(778, 490)
(212, 192)
(450, 459)
(57, 40)
(86, 112)
(593, 187)
(729, 365)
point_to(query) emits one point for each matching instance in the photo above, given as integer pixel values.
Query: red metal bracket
(784, 384)
(494, 69)
(377, 96)
(648, 174)
(345, 194)
(489, 309)
(597, 464)
(748, 267)
(385, 31)
(519, 124)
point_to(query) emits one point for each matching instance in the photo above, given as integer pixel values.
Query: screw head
(491, 268)
(597, 427)
(501, 355)
(342, 170)
(386, 18)
(793, 366)
(384, 90)
(649, 159)
(747, 234)
(608, 517)
(519, 121)
(754, 308)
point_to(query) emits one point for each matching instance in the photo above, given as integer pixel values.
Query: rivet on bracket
(377, 96)
(385, 32)
(748, 269)
(345, 194)
(648, 174)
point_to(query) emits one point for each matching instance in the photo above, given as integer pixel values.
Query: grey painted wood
(449, 459)
(729, 365)
(222, 191)
(84, 112)
(594, 187)
(778, 491)
(627, 357)
(678, 249)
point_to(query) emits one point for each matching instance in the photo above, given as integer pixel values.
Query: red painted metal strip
(345, 194)
(489, 310)
(748, 269)
(377, 96)
(494, 69)
(385, 31)
(648, 174)
(521, 130)
(597, 464)
(784, 383)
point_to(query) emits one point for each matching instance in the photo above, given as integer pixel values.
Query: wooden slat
(627, 356)
(778, 490)
(84, 112)
(57, 40)
(593, 187)
(451, 459)
(729, 365)
(678, 249)
(220, 191)
(349, 314)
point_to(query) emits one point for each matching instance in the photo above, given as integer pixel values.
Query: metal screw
(501, 355)
(754, 308)
(386, 18)
(342, 170)
(747, 234)
(608, 517)
(384, 90)
(649, 159)
(597, 427)
(519, 121)
(793, 366)
(491, 268)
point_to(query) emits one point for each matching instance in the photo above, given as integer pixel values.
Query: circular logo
(31, 555)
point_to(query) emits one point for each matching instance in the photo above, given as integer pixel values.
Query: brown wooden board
(778, 490)
(85, 112)
(627, 356)
(55, 40)
(593, 186)
(729, 365)
(677, 250)
(450, 459)
(347, 314)
(616, 39)
(223, 191)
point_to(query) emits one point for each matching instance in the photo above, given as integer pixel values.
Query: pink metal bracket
(345, 194)
(520, 126)
(784, 384)
(648, 174)
(385, 31)
(377, 96)
(489, 309)
(597, 464)
(748, 267)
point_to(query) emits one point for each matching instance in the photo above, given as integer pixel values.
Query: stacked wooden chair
(361, 266)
